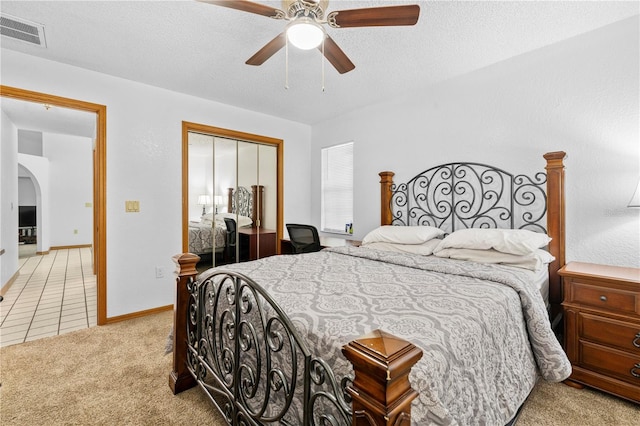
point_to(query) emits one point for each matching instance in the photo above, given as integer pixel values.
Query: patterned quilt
(201, 237)
(483, 328)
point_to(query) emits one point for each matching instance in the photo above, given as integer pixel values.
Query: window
(337, 188)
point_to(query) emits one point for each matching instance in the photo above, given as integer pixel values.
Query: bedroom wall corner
(579, 96)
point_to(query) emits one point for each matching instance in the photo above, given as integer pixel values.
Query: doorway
(99, 180)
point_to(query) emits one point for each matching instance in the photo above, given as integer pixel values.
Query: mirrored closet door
(232, 195)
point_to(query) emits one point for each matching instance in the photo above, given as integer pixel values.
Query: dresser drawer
(609, 299)
(622, 365)
(610, 332)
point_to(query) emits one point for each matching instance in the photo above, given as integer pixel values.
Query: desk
(266, 245)
(325, 242)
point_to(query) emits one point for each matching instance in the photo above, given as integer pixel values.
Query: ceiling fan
(305, 29)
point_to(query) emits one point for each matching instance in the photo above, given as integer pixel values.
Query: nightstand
(602, 327)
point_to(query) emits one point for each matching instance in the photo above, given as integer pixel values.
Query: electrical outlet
(75, 231)
(159, 272)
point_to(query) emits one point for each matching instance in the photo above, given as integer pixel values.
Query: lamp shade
(635, 200)
(217, 200)
(305, 34)
(204, 200)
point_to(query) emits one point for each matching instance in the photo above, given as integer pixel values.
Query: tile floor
(54, 294)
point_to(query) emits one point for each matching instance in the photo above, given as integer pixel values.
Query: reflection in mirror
(226, 177)
(232, 199)
(202, 232)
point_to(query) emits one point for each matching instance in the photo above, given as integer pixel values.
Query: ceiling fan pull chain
(323, 63)
(286, 62)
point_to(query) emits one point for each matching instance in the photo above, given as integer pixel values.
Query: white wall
(29, 142)
(144, 143)
(199, 174)
(71, 188)
(578, 96)
(9, 199)
(38, 169)
(26, 191)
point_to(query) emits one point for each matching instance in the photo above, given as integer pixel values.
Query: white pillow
(242, 221)
(533, 261)
(402, 234)
(424, 249)
(207, 217)
(511, 241)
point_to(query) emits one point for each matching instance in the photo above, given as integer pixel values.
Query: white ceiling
(35, 116)
(200, 49)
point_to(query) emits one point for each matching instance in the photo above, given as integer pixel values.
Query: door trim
(230, 134)
(99, 181)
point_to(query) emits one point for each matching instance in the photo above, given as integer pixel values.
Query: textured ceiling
(200, 49)
(37, 117)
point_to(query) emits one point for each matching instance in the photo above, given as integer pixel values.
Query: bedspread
(201, 237)
(484, 329)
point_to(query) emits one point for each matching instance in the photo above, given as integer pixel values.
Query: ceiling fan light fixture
(305, 34)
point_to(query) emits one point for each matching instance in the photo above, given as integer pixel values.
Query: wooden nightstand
(602, 327)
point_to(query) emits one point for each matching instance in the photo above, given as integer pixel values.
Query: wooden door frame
(237, 135)
(99, 181)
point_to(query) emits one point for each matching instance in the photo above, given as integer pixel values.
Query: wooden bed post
(257, 192)
(381, 390)
(555, 226)
(386, 180)
(180, 378)
(229, 200)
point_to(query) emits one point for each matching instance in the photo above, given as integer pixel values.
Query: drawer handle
(633, 370)
(603, 298)
(636, 341)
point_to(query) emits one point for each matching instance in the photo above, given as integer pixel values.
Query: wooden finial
(381, 390)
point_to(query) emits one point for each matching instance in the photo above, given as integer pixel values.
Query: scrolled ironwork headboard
(471, 195)
(242, 201)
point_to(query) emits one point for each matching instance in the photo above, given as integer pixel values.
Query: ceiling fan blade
(375, 16)
(268, 50)
(248, 6)
(336, 56)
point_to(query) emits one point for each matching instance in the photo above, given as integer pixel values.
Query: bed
(316, 338)
(209, 234)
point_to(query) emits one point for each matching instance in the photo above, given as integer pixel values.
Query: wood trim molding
(237, 135)
(139, 314)
(100, 180)
(70, 247)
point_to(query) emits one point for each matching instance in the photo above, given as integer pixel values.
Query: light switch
(132, 206)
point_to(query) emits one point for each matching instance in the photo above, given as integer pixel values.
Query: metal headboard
(242, 202)
(471, 195)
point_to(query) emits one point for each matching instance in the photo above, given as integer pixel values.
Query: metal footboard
(248, 357)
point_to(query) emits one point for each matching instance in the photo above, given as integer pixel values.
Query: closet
(232, 200)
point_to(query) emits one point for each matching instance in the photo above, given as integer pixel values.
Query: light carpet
(118, 374)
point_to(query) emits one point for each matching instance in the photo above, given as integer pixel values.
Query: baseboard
(11, 280)
(138, 314)
(42, 253)
(69, 247)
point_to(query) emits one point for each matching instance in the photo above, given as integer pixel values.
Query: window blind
(337, 188)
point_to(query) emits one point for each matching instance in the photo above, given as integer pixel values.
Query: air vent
(23, 30)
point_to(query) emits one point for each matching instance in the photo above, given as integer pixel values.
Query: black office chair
(304, 238)
(230, 243)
